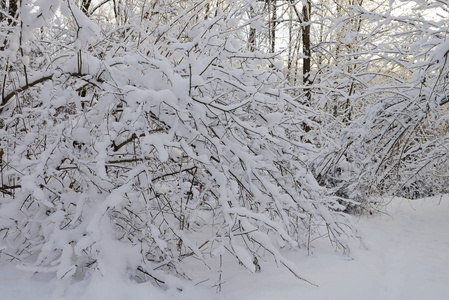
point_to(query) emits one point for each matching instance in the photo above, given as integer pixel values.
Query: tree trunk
(252, 33)
(272, 4)
(306, 66)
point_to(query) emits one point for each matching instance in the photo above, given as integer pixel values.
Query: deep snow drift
(405, 256)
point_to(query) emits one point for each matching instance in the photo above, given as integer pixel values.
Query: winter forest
(146, 140)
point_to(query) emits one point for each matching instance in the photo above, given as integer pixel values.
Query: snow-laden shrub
(396, 142)
(134, 150)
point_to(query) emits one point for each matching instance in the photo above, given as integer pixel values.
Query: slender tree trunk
(252, 33)
(273, 26)
(306, 44)
(290, 45)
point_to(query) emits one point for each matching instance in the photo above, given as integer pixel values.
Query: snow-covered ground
(406, 257)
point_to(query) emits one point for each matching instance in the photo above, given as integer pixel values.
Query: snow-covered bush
(396, 139)
(131, 149)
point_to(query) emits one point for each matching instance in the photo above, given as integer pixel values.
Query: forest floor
(404, 255)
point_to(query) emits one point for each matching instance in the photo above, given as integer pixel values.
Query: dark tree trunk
(273, 26)
(306, 67)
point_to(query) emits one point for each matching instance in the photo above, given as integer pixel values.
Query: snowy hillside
(406, 257)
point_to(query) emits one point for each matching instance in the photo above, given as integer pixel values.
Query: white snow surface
(405, 256)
